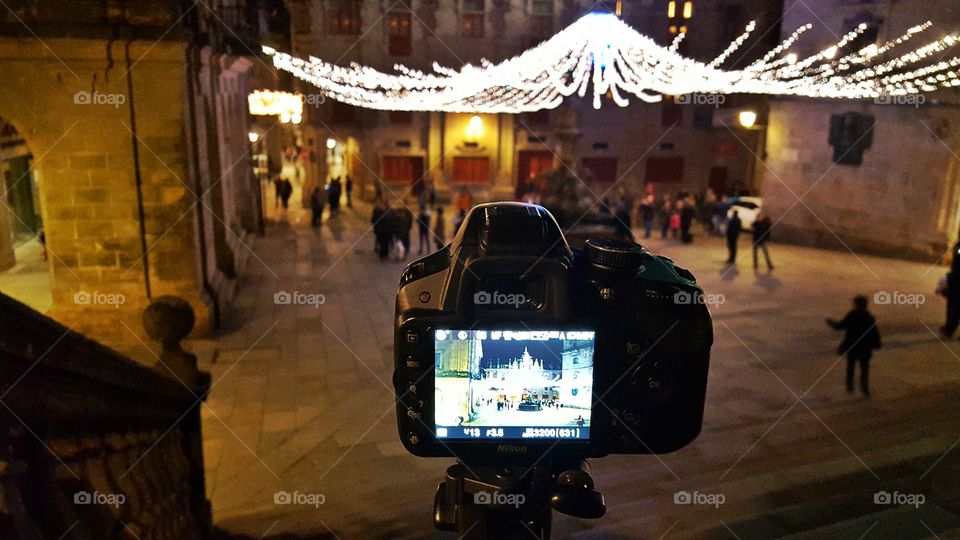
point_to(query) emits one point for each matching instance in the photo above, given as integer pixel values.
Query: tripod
(513, 502)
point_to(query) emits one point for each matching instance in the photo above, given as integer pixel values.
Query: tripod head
(513, 502)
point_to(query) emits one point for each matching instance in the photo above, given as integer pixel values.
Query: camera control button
(425, 297)
(413, 415)
(413, 337)
(413, 439)
(412, 389)
(412, 362)
(633, 349)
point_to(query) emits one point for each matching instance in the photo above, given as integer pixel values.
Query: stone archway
(24, 272)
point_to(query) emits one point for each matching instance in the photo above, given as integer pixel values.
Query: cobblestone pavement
(302, 404)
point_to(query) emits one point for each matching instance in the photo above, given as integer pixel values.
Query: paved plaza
(301, 412)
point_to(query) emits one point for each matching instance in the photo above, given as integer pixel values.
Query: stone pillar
(7, 259)
(503, 188)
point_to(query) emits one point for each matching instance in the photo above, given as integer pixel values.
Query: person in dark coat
(647, 212)
(952, 294)
(666, 209)
(404, 223)
(284, 190)
(734, 226)
(761, 233)
(381, 231)
(860, 338)
(333, 196)
(316, 207)
(349, 186)
(687, 213)
(423, 227)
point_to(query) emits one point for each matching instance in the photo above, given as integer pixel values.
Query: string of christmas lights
(601, 52)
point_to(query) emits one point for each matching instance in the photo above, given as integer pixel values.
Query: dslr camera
(511, 348)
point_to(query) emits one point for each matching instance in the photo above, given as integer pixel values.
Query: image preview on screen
(509, 384)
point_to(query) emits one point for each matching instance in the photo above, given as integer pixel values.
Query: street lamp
(331, 144)
(747, 119)
(253, 136)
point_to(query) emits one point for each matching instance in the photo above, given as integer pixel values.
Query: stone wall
(117, 174)
(902, 201)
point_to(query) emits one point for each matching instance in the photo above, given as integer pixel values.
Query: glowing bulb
(331, 144)
(792, 58)
(830, 53)
(474, 129)
(253, 136)
(747, 118)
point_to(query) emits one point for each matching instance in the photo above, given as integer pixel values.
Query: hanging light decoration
(601, 51)
(289, 107)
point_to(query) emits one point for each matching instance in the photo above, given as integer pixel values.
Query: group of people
(392, 226)
(329, 194)
(761, 234)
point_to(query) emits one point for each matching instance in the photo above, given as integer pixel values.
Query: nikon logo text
(511, 449)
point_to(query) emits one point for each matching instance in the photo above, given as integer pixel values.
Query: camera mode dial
(615, 255)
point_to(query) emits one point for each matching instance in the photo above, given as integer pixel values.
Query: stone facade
(126, 136)
(903, 199)
(630, 138)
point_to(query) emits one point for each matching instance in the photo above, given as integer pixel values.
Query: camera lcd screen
(513, 385)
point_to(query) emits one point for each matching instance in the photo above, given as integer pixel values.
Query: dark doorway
(718, 180)
(531, 163)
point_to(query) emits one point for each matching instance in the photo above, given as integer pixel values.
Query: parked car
(747, 209)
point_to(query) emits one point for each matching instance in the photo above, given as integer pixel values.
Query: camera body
(511, 348)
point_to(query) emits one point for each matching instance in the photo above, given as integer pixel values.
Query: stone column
(7, 259)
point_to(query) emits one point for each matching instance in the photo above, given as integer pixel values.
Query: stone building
(133, 120)
(678, 145)
(896, 190)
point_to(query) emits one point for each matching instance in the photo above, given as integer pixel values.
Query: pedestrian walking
(349, 186)
(333, 195)
(666, 209)
(861, 337)
(675, 220)
(647, 212)
(423, 226)
(687, 213)
(734, 226)
(761, 233)
(404, 223)
(951, 290)
(440, 229)
(381, 231)
(316, 206)
(284, 190)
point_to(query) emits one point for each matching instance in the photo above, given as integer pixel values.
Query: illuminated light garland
(289, 107)
(602, 52)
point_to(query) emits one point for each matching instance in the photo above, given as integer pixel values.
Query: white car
(747, 209)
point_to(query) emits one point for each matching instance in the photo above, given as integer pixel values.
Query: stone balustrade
(93, 445)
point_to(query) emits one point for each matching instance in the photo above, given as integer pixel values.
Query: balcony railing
(92, 444)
